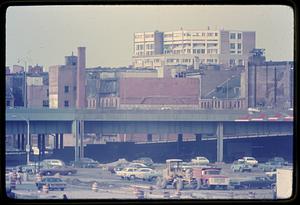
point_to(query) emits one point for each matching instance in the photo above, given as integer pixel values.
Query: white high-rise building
(192, 48)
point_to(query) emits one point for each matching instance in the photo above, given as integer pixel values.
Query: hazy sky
(44, 35)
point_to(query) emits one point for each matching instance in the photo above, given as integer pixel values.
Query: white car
(146, 174)
(52, 163)
(200, 160)
(250, 160)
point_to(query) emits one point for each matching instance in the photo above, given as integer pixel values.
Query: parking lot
(110, 186)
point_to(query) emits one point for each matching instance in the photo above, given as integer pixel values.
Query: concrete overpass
(217, 124)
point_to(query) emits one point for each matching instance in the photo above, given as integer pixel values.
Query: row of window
(222, 104)
(235, 45)
(234, 62)
(235, 36)
(191, 34)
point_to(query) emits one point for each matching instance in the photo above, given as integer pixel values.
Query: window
(232, 36)
(47, 92)
(239, 36)
(239, 46)
(216, 34)
(66, 89)
(45, 103)
(232, 46)
(66, 103)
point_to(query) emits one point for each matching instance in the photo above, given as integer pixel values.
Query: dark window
(45, 103)
(66, 103)
(47, 92)
(232, 46)
(239, 35)
(66, 89)
(239, 46)
(232, 36)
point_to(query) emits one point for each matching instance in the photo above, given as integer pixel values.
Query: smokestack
(80, 100)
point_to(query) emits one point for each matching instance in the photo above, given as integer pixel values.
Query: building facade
(193, 48)
(270, 84)
(62, 86)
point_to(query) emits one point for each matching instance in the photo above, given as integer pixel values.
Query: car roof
(174, 160)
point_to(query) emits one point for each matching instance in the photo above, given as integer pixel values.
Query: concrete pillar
(198, 138)
(56, 141)
(220, 135)
(81, 149)
(39, 142)
(61, 141)
(23, 142)
(18, 141)
(179, 137)
(43, 145)
(75, 132)
(149, 137)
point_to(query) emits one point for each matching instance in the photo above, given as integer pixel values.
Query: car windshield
(212, 172)
(52, 180)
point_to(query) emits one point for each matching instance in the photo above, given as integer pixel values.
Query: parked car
(144, 160)
(255, 183)
(279, 160)
(47, 163)
(52, 182)
(146, 174)
(61, 170)
(270, 166)
(127, 173)
(85, 163)
(250, 160)
(200, 160)
(27, 169)
(137, 165)
(241, 166)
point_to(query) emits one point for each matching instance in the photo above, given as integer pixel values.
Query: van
(52, 163)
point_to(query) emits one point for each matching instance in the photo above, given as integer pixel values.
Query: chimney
(80, 97)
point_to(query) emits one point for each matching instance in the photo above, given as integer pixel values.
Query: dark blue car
(54, 183)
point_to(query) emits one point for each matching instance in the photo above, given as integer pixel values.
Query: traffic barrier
(46, 188)
(95, 187)
(166, 195)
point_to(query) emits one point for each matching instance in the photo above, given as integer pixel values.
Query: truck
(195, 177)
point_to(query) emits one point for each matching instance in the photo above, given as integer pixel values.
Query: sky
(44, 35)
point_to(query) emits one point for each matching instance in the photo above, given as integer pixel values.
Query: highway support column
(75, 132)
(81, 133)
(220, 135)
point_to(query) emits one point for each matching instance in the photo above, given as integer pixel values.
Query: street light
(27, 148)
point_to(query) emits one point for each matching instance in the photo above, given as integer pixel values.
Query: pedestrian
(19, 177)
(65, 197)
